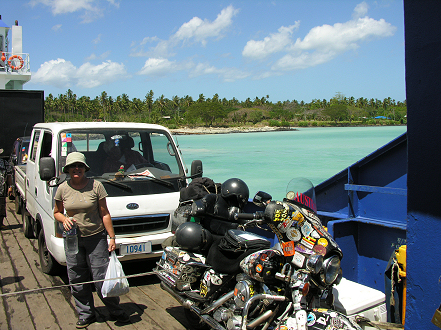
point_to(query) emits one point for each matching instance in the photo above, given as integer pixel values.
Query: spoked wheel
(195, 321)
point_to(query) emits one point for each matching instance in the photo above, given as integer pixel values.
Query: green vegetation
(178, 112)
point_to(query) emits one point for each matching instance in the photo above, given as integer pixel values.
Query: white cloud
(93, 56)
(302, 61)
(158, 67)
(276, 42)
(194, 31)
(200, 30)
(62, 74)
(113, 2)
(203, 69)
(65, 6)
(224, 74)
(90, 11)
(344, 36)
(97, 40)
(56, 27)
(360, 10)
(89, 75)
(233, 74)
(321, 44)
(58, 73)
(149, 39)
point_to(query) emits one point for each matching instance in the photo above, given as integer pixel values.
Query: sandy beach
(226, 130)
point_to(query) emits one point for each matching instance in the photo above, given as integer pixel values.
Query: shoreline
(227, 130)
(200, 130)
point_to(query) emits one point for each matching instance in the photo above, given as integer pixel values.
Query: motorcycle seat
(225, 256)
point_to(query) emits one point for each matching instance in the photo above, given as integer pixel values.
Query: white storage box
(354, 299)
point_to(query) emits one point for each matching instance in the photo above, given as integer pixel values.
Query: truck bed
(20, 178)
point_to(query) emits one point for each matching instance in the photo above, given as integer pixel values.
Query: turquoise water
(269, 160)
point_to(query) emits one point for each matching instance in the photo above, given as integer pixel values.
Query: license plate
(135, 248)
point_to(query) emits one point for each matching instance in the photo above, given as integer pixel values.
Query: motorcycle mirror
(262, 198)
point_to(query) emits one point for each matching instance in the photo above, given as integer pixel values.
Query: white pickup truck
(141, 200)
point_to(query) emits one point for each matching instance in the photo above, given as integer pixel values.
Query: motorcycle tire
(195, 321)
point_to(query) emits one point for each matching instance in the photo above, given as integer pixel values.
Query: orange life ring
(13, 67)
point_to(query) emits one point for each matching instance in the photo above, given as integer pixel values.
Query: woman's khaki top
(83, 203)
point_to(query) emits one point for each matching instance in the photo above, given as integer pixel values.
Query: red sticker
(288, 248)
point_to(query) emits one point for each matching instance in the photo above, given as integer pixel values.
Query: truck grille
(143, 223)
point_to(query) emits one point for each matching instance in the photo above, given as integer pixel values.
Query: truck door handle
(35, 191)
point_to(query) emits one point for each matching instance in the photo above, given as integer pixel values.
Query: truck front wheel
(48, 264)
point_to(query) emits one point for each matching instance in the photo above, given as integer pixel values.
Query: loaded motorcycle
(227, 277)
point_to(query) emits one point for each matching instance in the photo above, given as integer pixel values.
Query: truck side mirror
(47, 168)
(196, 169)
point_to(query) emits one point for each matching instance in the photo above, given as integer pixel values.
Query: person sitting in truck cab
(121, 154)
(130, 157)
(112, 163)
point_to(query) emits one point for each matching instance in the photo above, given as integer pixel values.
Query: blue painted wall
(365, 210)
(423, 89)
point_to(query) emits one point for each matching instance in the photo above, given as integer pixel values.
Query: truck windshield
(126, 161)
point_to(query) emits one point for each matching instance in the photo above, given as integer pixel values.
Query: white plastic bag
(115, 287)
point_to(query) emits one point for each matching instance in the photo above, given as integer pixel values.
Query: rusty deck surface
(148, 305)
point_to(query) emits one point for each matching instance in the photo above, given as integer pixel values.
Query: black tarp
(20, 110)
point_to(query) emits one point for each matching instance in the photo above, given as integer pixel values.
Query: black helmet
(236, 192)
(191, 236)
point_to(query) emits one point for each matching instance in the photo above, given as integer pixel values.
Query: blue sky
(300, 50)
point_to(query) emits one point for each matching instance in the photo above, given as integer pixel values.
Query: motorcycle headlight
(315, 263)
(331, 269)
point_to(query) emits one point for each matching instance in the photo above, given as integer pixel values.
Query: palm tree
(161, 103)
(149, 102)
(188, 101)
(61, 104)
(104, 102)
(215, 98)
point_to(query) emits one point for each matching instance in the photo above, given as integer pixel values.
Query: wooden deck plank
(155, 312)
(166, 301)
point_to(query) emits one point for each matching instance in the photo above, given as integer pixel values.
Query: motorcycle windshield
(301, 191)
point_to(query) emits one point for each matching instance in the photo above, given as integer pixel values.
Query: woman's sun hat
(75, 157)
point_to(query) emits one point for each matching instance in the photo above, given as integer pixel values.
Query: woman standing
(84, 202)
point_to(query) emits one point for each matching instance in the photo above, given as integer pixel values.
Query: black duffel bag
(228, 250)
(238, 241)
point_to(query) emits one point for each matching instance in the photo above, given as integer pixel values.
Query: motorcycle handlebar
(248, 216)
